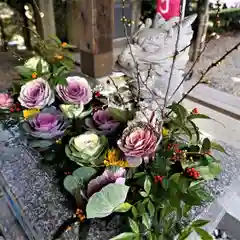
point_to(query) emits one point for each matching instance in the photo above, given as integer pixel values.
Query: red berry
(18, 109)
(12, 109)
(97, 94)
(195, 111)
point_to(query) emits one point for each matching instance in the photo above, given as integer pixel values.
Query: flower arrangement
(151, 172)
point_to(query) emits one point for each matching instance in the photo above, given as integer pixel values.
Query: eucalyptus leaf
(84, 174)
(103, 203)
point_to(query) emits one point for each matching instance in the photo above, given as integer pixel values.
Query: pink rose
(139, 140)
(5, 101)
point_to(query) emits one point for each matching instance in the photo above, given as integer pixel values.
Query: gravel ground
(225, 77)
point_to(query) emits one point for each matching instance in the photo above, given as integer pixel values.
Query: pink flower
(5, 101)
(77, 91)
(106, 178)
(139, 140)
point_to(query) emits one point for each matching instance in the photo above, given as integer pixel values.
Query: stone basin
(31, 190)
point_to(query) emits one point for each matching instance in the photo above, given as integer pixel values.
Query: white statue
(153, 50)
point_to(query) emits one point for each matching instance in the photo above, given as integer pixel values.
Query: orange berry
(64, 44)
(34, 75)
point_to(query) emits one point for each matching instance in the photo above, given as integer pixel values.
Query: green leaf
(134, 212)
(209, 172)
(133, 225)
(84, 174)
(70, 46)
(165, 183)
(24, 71)
(71, 184)
(185, 234)
(61, 81)
(40, 143)
(179, 110)
(147, 185)
(217, 147)
(203, 234)
(60, 70)
(183, 184)
(139, 174)
(123, 207)
(151, 208)
(143, 194)
(198, 116)
(199, 223)
(56, 39)
(39, 67)
(206, 146)
(140, 208)
(68, 63)
(196, 131)
(186, 209)
(120, 115)
(146, 221)
(125, 236)
(103, 203)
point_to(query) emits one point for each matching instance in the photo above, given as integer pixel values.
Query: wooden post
(45, 24)
(96, 31)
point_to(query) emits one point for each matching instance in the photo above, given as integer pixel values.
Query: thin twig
(117, 89)
(174, 57)
(208, 69)
(190, 70)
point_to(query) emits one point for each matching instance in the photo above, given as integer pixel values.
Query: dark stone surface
(43, 207)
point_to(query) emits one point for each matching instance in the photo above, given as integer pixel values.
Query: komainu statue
(151, 54)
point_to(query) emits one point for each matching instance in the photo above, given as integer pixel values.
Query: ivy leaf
(199, 223)
(151, 208)
(147, 185)
(103, 203)
(125, 236)
(146, 221)
(206, 146)
(203, 234)
(123, 207)
(133, 225)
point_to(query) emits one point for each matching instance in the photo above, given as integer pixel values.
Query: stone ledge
(215, 99)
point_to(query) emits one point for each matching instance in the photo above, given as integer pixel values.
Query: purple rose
(36, 94)
(102, 122)
(49, 124)
(5, 101)
(139, 140)
(106, 178)
(77, 91)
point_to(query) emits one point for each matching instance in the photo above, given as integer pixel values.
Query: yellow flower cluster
(112, 158)
(30, 112)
